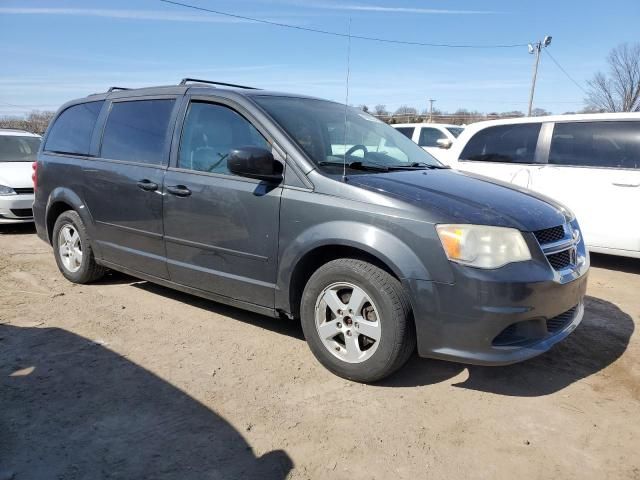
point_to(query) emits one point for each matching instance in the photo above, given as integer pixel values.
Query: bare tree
(364, 108)
(619, 90)
(512, 114)
(539, 112)
(380, 109)
(592, 109)
(35, 122)
(406, 110)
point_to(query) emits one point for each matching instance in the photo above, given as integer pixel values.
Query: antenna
(346, 105)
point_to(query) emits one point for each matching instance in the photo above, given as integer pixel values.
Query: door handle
(179, 190)
(620, 184)
(147, 185)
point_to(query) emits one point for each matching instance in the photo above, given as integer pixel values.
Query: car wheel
(72, 249)
(357, 320)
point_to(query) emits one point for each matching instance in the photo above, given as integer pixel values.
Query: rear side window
(429, 137)
(72, 130)
(503, 143)
(136, 131)
(406, 131)
(596, 144)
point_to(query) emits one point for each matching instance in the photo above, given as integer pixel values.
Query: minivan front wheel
(72, 249)
(357, 320)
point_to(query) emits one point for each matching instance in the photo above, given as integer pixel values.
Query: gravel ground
(125, 379)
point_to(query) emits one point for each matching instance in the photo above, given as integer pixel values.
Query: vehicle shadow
(612, 262)
(18, 229)
(113, 277)
(601, 338)
(291, 328)
(71, 408)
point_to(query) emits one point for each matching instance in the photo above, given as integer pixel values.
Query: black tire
(397, 341)
(89, 270)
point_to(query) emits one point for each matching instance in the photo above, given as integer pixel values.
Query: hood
(468, 198)
(16, 174)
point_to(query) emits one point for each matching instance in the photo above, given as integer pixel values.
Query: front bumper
(501, 316)
(16, 208)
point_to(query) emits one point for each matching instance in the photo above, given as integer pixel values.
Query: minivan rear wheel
(357, 320)
(72, 249)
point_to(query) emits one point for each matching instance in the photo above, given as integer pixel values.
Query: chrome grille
(550, 235)
(23, 191)
(560, 260)
(558, 246)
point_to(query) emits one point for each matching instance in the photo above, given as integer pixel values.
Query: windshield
(14, 148)
(318, 127)
(455, 131)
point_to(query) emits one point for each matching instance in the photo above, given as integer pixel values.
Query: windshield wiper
(362, 166)
(357, 166)
(429, 166)
(417, 166)
(376, 167)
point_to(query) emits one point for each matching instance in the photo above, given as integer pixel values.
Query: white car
(590, 163)
(18, 150)
(435, 138)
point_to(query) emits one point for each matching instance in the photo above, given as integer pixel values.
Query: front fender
(384, 246)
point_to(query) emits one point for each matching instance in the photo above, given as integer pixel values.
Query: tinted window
(429, 137)
(455, 131)
(72, 130)
(406, 131)
(504, 143)
(137, 131)
(596, 144)
(14, 148)
(210, 132)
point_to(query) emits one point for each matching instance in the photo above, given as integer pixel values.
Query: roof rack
(113, 89)
(184, 81)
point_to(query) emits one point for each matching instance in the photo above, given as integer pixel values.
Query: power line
(27, 106)
(12, 105)
(566, 73)
(337, 34)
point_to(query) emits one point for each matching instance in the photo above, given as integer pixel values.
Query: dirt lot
(124, 379)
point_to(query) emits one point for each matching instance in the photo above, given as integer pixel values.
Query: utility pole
(535, 49)
(431, 100)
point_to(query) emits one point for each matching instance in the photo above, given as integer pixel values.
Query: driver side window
(210, 132)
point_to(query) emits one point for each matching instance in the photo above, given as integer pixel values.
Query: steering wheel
(349, 152)
(215, 165)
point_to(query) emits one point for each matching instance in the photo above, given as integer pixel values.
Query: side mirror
(255, 162)
(444, 143)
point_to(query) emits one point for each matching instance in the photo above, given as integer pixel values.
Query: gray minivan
(302, 208)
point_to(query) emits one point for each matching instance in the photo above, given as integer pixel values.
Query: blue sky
(54, 51)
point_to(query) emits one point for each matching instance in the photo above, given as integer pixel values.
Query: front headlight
(483, 246)
(6, 190)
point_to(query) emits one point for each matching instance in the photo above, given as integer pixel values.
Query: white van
(590, 162)
(435, 138)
